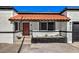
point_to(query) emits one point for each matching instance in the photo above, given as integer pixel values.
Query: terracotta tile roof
(39, 17)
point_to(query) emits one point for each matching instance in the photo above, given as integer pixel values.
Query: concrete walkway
(13, 48)
(50, 48)
(40, 47)
(9, 48)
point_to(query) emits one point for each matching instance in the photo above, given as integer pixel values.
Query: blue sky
(42, 8)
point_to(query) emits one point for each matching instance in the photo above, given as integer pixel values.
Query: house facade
(39, 25)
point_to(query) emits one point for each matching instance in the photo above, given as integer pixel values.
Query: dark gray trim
(73, 9)
(7, 32)
(10, 32)
(53, 31)
(8, 8)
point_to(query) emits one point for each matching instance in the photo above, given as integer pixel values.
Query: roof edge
(38, 12)
(8, 8)
(65, 9)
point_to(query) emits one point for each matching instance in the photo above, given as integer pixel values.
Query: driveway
(50, 48)
(9, 48)
(40, 48)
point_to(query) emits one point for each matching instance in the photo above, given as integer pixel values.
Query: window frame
(40, 26)
(18, 26)
(52, 27)
(47, 26)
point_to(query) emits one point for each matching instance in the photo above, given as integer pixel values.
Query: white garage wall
(74, 16)
(6, 26)
(6, 38)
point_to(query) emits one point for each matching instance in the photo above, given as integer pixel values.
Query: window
(47, 26)
(16, 26)
(51, 26)
(43, 26)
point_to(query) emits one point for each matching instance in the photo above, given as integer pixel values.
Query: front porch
(55, 34)
(42, 26)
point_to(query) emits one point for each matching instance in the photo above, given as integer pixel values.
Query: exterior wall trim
(8, 8)
(54, 31)
(10, 32)
(65, 9)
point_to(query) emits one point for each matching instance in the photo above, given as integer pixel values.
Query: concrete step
(27, 38)
(27, 42)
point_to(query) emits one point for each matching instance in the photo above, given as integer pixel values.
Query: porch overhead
(39, 17)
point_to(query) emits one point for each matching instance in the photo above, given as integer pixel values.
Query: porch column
(69, 35)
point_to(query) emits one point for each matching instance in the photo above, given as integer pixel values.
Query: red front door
(25, 28)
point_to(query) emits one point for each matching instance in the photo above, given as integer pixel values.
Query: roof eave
(8, 8)
(38, 12)
(38, 20)
(73, 9)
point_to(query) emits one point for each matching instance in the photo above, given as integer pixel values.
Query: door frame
(22, 27)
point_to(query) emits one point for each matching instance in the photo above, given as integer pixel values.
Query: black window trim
(40, 26)
(53, 26)
(47, 26)
(18, 23)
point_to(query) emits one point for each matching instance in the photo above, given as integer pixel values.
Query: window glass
(43, 26)
(47, 26)
(51, 26)
(16, 26)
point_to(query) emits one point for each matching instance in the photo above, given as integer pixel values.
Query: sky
(42, 8)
